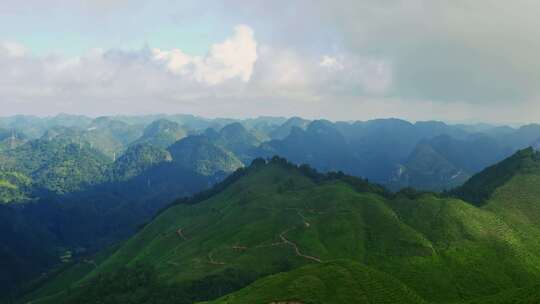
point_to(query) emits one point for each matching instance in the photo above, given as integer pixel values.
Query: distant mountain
(201, 155)
(11, 139)
(137, 159)
(162, 133)
(428, 169)
(320, 145)
(285, 129)
(522, 137)
(444, 162)
(278, 233)
(111, 136)
(237, 139)
(58, 166)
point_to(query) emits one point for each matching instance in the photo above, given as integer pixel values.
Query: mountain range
(72, 187)
(275, 232)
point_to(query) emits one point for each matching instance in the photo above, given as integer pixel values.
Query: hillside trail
(283, 238)
(296, 248)
(180, 233)
(214, 262)
(90, 262)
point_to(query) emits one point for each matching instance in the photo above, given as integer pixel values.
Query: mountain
(137, 159)
(57, 166)
(278, 233)
(481, 187)
(26, 249)
(473, 154)
(11, 139)
(111, 136)
(444, 162)
(162, 133)
(285, 129)
(237, 139)
(428, 169)
(341, 281)
(201, 155)
(321, 145)
(14, 187)
(376, 149)
(522, 137)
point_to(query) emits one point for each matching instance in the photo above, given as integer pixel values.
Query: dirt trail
(91, 262)
(214, 262)
(180, 233)
(296, 249)
(239, 248)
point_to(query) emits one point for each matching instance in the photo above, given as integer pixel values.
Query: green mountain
(428, 169)
(278, 233)
(199, 154)
(14, 187)
(136, 160)
(237, 139)
(10, 139)
(111, 136)
(162, 133)
(340, 281)
(58, 166)
(481, 187)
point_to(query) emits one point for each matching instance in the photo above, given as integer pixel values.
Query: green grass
(288, 234)
(336, 282)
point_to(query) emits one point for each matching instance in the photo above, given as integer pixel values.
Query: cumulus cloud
(234, 58)
(118, 80)
(236, 73)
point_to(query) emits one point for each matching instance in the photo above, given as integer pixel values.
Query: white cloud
(331, 63)
(176, 61)
(234, 58)
(12, 49)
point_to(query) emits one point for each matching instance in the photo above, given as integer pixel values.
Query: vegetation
(278, 233)
(341, 281)
(58, 166)
(161, 133)
(479, 188)
(71, 186)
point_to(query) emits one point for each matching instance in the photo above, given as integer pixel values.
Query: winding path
(296, 249)
(214, 262)
(180, 233)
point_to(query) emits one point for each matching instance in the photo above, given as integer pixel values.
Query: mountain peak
(479, 188)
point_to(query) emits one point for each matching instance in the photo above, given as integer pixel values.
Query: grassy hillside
(277, 233)
(341, 281)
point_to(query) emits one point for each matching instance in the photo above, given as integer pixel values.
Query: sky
(453, 60)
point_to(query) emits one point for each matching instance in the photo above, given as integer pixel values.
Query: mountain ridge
(276, 217)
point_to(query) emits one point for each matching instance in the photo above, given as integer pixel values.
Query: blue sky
(457, 60)
(75, 29)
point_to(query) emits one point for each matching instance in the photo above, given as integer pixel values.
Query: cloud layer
(342, 59)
